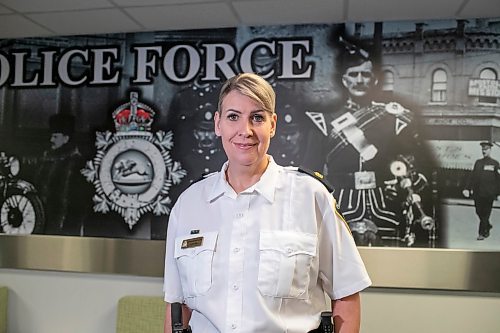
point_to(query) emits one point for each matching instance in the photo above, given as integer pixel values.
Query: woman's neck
(242, 177)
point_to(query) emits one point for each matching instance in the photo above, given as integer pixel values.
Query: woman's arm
(346, 313)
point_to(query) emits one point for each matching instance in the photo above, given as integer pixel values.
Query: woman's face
(245, 129)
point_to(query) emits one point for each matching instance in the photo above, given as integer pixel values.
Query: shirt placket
(236, 264)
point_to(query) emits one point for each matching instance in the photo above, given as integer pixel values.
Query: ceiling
(34, 18)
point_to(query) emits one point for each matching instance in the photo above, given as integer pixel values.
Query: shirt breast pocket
(285, 263)
(195, 261)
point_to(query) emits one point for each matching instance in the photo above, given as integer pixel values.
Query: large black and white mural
(100, 134)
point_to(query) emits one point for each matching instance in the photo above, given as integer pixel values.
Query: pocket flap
(191, 245)
(288, 242)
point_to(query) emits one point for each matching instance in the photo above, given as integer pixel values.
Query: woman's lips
(244, 145)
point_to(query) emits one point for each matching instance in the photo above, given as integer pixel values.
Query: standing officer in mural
(484, 186)
(58, 179)
(371, 152)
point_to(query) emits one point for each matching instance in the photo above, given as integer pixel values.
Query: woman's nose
(245, 129)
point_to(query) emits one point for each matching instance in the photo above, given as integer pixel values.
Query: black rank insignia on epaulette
(203, 176)
(318, 176)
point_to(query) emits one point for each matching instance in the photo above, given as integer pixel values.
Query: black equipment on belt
(326, 325)
(326, 322)
(176, 318)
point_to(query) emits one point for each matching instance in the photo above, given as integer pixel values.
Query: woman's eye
(258, 118)
(232, 116)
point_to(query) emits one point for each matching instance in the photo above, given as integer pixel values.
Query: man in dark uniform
(484, 187)
(370, 152)
(58, 178)
(289, 144)
(288, 147)
(196, 145)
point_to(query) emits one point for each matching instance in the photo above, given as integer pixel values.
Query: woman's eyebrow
(240, 112)
(232, 110)
(258, 111)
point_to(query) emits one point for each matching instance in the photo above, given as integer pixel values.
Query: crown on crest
(133, 116)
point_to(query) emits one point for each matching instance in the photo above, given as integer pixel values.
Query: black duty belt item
(326, 325)
(176, 318)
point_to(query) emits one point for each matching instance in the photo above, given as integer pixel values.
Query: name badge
(364, 180)
(192, 242)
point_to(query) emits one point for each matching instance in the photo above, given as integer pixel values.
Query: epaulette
(203, 176)
(318, 176)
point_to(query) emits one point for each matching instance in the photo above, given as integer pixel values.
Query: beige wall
(59, 302)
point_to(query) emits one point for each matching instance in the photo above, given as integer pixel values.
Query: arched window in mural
(488, 74)
(439, 84)
(388, 83)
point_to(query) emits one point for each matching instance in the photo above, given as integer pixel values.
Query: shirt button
(289, 250)
(233, 326)
(235, 287)
(236, 250)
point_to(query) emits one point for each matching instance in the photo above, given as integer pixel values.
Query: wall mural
(100, 134)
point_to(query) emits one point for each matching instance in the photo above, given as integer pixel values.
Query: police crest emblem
(133, 170)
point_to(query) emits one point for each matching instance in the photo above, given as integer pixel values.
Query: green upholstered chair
(140, 314)
(4, 297)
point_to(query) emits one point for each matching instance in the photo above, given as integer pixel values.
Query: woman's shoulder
(200, 185)
(309, 178)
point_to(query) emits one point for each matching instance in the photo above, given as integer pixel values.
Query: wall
(59, 302)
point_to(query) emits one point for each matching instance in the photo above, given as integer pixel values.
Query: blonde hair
(252, 86)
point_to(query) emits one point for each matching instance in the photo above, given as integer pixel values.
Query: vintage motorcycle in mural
(21, 210)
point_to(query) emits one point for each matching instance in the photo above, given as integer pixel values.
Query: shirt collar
(220, 186)
(266, 186)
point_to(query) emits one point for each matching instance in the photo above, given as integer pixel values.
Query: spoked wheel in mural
(21, 213)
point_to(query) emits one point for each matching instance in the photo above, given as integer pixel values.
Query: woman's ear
(274, 121)
(216, 123)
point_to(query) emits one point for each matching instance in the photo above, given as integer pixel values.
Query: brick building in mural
(451, 74)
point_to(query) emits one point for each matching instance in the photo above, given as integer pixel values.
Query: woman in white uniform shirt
(254, 247)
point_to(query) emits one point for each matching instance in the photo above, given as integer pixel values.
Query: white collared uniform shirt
(260, 260)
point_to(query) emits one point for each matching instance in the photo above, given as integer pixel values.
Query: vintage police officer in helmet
(195, 144)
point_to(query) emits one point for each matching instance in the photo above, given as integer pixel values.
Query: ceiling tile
(18, 26)
(87, 22)
(4, 10)
(289, 11)
(481, 8)
(214, 15)
(27, 6)
(139, 3)
(390, 10)
(83, 16)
